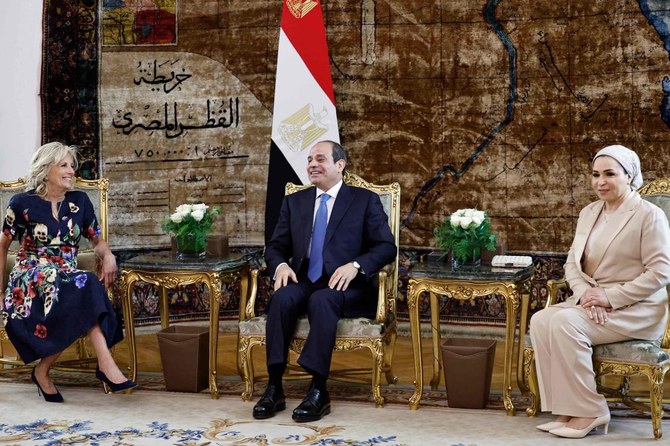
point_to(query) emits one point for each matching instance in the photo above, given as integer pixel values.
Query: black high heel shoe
(110, 386)
(48, 397)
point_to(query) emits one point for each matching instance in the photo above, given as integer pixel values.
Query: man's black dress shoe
(272, 401)
(315, 405)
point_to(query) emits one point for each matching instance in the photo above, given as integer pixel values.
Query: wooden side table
(439, 279)
(166, 271)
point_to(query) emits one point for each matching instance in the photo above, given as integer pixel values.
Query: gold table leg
(511, 301)
(523, 328)
(436, 338)
(461, 290)
(213, 283)
(164, 308)
(413, 293)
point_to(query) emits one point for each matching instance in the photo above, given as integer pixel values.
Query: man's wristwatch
(357, 265)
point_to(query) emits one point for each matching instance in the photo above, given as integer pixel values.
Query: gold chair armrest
(554, 286)
(382, 293)
(248, 303)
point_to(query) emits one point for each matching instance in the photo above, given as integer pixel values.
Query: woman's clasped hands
(595, 303)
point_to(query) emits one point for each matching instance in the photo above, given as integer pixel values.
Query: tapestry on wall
(133, 23)
(504, 118)
(70, 79)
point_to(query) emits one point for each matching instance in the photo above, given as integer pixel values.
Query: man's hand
(282, 276)
(595, 303)
(342, 277)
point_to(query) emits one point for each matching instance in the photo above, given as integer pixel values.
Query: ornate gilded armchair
(624, 359)
(378, 334)
(97, 192)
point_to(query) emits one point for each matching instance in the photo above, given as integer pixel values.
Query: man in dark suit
(328, 243)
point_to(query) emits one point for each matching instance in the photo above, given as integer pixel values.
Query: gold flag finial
(300, 8)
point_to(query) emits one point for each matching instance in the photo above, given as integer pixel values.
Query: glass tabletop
(168, 261)
(438, 269)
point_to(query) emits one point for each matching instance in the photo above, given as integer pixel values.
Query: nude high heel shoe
(567, 432)
(546, 427)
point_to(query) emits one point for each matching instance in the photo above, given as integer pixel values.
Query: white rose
(465, 222)
(478, 218)
(184, 209)
(176, 217)
(200, 207)
(455, 220)
(469, 212)
(197, 214)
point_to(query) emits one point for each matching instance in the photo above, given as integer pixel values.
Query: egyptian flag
(304, 108)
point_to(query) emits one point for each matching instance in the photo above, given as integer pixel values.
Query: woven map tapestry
(493, 104)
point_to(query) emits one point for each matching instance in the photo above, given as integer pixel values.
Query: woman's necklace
(56, 214)
(55, 209)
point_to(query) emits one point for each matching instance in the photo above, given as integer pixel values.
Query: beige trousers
(562, 337)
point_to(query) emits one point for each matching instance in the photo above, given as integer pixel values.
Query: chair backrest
(95, 189)
(658, 193)
(389, 194)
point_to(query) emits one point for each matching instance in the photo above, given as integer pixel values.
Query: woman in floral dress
(48, 303)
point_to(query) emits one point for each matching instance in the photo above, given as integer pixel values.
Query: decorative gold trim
(460, 290)
(660, 186)
(655, 375)
(171, 279)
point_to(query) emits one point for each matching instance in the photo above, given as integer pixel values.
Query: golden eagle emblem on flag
(300, 8)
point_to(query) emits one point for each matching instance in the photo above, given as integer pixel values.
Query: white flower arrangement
(192, 220)
(466, 233)
(197, 211)
(466, 217)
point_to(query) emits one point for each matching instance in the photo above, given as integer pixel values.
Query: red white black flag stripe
(304, 107)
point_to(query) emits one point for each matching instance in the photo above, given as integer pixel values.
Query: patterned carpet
(90, 418)
(230, 387)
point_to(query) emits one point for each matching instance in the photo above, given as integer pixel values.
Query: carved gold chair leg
(391, 378)
(377, 365)
(530, 377)
(656, 378)
(245, 366)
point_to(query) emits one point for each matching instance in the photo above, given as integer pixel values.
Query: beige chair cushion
(348, 327)
(636, 350)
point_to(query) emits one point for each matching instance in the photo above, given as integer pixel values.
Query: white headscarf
(628, 160)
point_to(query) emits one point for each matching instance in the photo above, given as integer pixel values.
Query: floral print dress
(49, 303)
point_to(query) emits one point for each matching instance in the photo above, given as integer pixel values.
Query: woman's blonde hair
(46, 156)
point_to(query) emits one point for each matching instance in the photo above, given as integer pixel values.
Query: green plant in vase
(190, 225)
(466, 233)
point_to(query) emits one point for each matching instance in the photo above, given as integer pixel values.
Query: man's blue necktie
(318, 237)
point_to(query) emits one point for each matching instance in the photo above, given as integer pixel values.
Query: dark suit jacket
(357, 230)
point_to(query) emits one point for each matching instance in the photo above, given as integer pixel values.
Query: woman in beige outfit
(618, 267)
